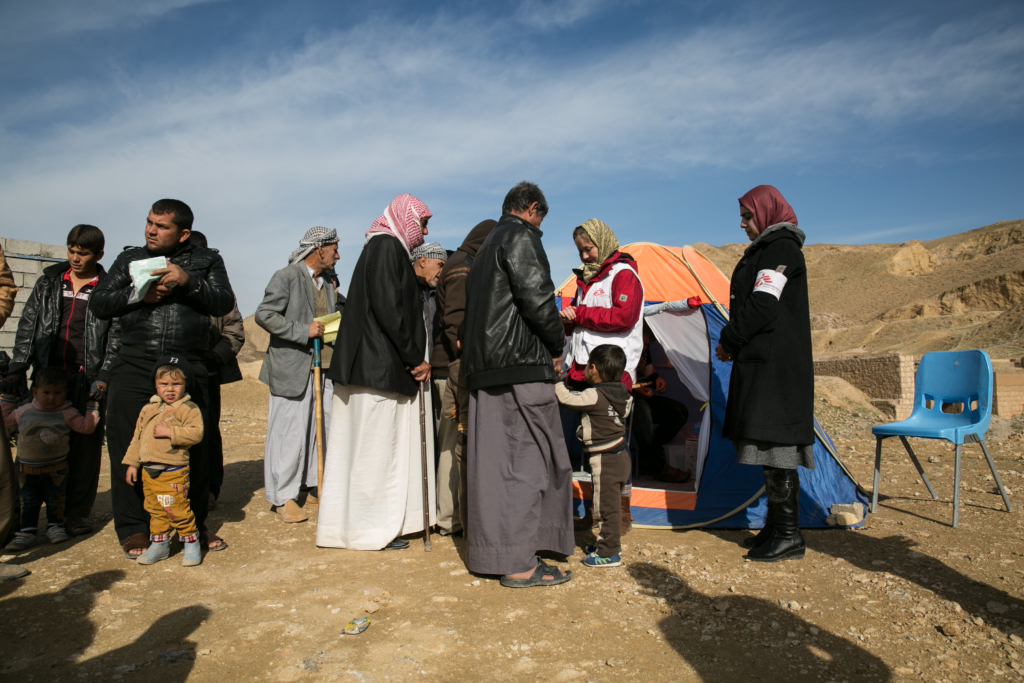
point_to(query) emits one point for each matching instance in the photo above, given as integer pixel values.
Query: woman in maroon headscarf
(770, 413)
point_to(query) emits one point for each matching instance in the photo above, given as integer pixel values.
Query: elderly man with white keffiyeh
(296, 296)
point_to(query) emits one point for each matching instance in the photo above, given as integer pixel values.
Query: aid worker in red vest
(607, 309)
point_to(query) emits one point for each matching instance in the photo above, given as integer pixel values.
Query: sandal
(78, 527)
(204, 541)
(134, 542)
(537, 579)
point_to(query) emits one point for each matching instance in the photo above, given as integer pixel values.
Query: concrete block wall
(26, 271)
(888, 379)
(1008, 389)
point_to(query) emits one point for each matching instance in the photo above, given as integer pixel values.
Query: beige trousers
(447, 472)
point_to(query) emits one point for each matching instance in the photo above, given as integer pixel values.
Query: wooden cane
(317, 391)
(426, 482)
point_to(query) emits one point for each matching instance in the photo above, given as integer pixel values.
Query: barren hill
(961, 291)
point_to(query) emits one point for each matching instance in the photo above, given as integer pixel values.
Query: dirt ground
(905, 598)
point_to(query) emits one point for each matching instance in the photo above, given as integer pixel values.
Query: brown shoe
(311, 501)
(291, 513)
(627, 518)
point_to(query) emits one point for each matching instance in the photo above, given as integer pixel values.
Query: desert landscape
(905, 598)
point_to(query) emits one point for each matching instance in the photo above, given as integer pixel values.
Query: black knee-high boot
(769, 523)
(785, 542)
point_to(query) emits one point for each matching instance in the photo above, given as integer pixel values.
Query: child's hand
(162, 431)
(132, 475)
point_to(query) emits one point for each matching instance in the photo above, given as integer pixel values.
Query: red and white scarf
(402, 220)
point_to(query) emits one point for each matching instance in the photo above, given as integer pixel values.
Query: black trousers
(669, 415)
(131, 386)
(85, 456)
(211, 426)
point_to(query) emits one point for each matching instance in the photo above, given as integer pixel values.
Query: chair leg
(956, 489)
(878, 467)
(995, 475)
(920, 470)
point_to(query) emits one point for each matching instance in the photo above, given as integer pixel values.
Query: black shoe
(397, 544)
(765, 533)
(785, 542)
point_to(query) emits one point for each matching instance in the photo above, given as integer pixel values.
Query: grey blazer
(286, 312)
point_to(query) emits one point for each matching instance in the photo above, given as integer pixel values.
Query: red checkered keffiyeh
(402, 220)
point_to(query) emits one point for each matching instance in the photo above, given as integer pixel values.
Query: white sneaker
(22, 540)
(56, 534)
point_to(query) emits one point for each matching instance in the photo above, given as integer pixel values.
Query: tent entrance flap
(683, 340)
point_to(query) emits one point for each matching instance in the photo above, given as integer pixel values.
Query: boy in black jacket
(58, 330)
(605, 406)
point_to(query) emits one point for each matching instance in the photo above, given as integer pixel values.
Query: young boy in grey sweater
(605, 404)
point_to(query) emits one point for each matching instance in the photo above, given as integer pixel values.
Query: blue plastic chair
(945, 377)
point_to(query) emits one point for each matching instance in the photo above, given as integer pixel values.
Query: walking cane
(318, 392)
(426, 483)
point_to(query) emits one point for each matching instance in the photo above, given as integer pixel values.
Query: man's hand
(316, 329)
(722, 355)
(155, 293)
(97, 391)
(173, 276)
(421, 373)
(14, 384)
(660, 385)
(556, 363)
(568, 314)
(693, 302)
(131, 475)
(646, 392)
(162, 431)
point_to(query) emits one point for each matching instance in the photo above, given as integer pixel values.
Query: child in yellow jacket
(168, 426)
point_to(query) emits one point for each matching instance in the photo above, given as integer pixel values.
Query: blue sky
(879, 121)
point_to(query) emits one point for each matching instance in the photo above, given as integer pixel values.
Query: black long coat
(771, 392)
(382, 331)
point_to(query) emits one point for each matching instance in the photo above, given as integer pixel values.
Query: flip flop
(204, 541)
(537, 579)
(132, 542)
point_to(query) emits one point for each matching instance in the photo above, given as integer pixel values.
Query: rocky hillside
(957, 292)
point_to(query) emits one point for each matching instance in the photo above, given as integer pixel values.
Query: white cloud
(329, 134)
(37, 20)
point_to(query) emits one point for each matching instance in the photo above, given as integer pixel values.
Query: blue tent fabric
(728, 496)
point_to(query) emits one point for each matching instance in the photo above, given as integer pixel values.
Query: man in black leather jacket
(57, 329)
(172, 319)
(519, 478)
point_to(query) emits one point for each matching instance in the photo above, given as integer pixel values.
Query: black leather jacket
(40, 322)
(511, 331)
(180, 323)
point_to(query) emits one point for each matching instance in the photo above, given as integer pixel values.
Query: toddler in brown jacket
(605, 405)
(168, 426)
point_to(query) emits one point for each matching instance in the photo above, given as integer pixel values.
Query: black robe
(382, 332)
(771, 392)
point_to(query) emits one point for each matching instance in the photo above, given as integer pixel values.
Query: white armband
(770, 282)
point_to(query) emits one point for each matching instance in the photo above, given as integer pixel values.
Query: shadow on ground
(740, 637)
(35, 643)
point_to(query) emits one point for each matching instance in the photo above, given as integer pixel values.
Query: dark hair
(521, 196)
(182, 214)
(50, 376)
(198, 239)
(86, 237)
(610, 362)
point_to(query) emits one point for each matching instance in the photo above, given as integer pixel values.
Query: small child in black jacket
(605, 406)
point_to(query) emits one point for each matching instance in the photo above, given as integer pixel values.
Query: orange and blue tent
(723, 493)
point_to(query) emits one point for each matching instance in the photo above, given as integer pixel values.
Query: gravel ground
(905, 598)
